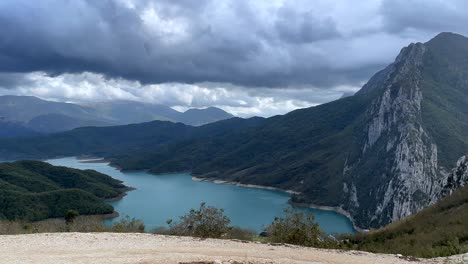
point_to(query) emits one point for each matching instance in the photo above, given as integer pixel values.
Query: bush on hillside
(206, 222)
(128, 225)
(297, 228)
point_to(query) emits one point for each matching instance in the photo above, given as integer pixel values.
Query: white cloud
(168, 30)
(240, 101)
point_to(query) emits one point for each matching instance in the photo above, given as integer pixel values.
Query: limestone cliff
(399, 153)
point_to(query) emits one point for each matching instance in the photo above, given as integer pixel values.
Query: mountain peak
(447, 36)
(211, 109)
(204, 116)
(450, 47)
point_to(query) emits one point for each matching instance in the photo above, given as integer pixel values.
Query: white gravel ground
(146, 249)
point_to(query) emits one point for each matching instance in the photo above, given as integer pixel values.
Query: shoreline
(120, 196)
(254, 186)
(98, 160)
(115, 214)
(93, 161)
(336, 209)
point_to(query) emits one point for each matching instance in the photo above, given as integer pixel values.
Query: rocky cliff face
(456, 179)
(398, 152)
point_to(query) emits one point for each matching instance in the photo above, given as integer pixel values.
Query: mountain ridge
(49, 117)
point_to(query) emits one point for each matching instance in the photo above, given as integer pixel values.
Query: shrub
(205, 222)
(70, 216)
(128, 225)
(295, 228)
(84, 223)
(87, 224)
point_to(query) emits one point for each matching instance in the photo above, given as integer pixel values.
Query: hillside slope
(34, 190)
(118, 140)
(439, 230)
(52, 123)
(12, 129)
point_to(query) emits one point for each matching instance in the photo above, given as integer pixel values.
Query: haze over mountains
(30, 115)
(381, 154)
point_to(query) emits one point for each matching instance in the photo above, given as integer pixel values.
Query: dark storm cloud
(66, 36)
(303, 27)
(432, 16)
(300, 43)
(171, 41)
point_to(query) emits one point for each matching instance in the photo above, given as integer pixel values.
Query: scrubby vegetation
(439, 230)
(128, 225)
(205, 222)
(295, 228)
(79, 224)
(34, 190)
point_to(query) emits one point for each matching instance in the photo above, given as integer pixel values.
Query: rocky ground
(146, 249)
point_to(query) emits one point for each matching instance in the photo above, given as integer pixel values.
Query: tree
(70, 216)
(295, 228)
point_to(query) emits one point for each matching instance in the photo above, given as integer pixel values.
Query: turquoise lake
(158, 198)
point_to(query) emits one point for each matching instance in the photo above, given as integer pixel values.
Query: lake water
(158, 198)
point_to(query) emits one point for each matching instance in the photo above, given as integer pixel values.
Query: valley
(381, 155)
(392, 159)
(234, 132)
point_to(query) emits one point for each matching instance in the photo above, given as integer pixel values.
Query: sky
(261, 57)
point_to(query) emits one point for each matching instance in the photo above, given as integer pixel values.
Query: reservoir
(158, 198)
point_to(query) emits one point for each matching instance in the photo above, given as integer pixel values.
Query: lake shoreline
(115, 214)
(255, 186)
(120, 196)
(336, 209)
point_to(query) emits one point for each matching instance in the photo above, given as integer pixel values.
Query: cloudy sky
(249, 57)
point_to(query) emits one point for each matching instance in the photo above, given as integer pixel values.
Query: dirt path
(146, 249)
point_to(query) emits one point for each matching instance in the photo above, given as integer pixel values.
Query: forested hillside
(34, 190)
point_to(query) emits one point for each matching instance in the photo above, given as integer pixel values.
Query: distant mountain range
(382, 154)
(31, 114)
